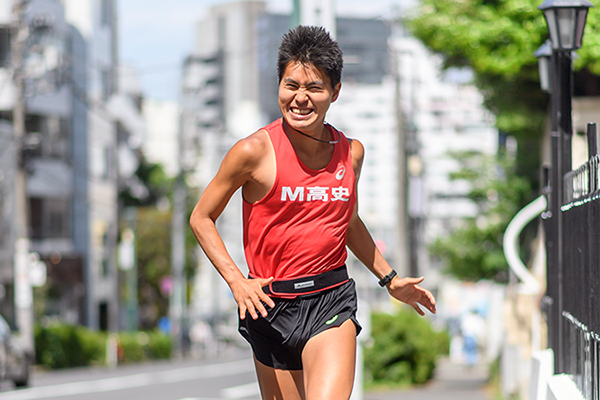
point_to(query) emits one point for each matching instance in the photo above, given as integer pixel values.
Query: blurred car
(15, 359)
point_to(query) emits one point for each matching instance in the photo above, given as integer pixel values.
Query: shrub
(404, 350)
(63, 346)
(60, 345)
(160, 346)
(132, 350)
(142, 346)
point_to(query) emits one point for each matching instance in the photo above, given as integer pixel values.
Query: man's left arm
(360, 242)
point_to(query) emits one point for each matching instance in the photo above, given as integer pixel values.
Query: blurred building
(45, 154)
(79, 150)
(220, 104)
(395, 99)
(96, 203)
(443, 112)
(160, 144)
(230, 90)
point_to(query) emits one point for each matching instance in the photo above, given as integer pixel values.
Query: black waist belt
(309, 284)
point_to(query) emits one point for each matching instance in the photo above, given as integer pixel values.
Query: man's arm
(237, 169)
(363, 246)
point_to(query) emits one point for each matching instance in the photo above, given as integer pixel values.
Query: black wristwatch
(387, 279)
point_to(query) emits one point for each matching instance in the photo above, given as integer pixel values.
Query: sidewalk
(451, 382)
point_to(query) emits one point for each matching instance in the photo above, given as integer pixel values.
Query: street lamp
(544, 54)
(566, 22)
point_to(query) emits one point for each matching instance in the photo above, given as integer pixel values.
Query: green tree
(151, 186)
(150, 194)
(153, 230)
(473, 251)
(496, 39)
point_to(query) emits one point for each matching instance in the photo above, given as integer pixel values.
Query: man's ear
(336, 92)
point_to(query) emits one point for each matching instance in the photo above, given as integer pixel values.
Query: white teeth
(301, 111)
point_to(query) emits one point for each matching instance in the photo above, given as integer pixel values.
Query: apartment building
(443, 112)
(79, 150)
(232, 78)
(395, 99)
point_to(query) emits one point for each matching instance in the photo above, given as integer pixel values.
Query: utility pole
(23, 290)
(178, 298)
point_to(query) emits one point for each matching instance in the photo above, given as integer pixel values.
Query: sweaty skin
(329, 358)
(304, 97)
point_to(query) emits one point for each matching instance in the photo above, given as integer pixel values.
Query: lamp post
(547, 71)
(566, 23)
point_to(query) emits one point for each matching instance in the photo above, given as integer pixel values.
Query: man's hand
(249, 296)
(408, 291)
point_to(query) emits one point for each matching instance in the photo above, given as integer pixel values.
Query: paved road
(183, 380)
(451, 382)
(231, 377)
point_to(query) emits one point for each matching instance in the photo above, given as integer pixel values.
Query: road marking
(199, 398)
(239, 392)
(130, 381)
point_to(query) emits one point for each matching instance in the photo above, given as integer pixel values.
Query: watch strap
(387, 279)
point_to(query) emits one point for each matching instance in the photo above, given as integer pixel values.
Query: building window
(50, 218)
(103, 316)
(105, 82)
(222, 33)
(105, 255)
(102, 161)
(105, 12)
(4, 48)
(3, 232)
(55, 138)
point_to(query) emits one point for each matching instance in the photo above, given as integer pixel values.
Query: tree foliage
(150, 185)
(153, 231)
(497, 39)
(474, 250)
(149, 194)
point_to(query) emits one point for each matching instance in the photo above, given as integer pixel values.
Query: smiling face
(305, 93)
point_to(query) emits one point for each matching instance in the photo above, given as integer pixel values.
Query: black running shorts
(278, 339)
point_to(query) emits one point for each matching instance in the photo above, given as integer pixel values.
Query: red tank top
(299, 228)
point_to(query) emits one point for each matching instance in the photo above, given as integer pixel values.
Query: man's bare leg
(329, 363)
(279, 384)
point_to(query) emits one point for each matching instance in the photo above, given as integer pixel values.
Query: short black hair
(311, 45)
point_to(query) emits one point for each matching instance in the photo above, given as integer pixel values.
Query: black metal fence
(572, 301)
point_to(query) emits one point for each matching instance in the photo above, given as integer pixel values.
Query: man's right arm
(236, 170)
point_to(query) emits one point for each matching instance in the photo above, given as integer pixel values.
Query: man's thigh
(279, 384)
(329, 360)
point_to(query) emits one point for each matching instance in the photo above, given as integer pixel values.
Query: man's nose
(301, 96)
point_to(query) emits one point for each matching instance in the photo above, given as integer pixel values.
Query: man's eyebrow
(290, 80)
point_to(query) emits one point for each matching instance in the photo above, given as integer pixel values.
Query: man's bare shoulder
(256, 143)
(357, 150)
(251, 161)
(251, 149)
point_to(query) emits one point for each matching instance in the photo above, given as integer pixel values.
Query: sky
(156, 35)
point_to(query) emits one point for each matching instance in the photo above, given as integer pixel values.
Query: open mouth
(301, 111)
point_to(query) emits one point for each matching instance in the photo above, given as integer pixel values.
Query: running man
(297, 307)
